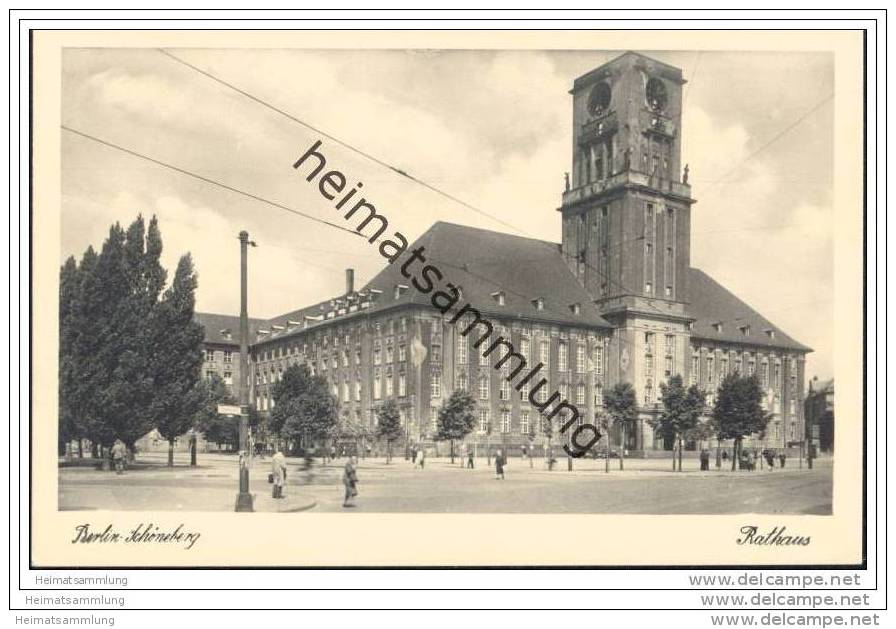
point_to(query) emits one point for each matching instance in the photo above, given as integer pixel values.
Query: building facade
(616, 301)
(820, 414)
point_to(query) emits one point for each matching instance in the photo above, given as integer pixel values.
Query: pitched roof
(488, 266)
(711, 303)
(216, 324)
(482, 263)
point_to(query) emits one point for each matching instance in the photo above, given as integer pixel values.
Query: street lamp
(244, 498)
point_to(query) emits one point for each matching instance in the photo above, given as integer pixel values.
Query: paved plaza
(646, 486)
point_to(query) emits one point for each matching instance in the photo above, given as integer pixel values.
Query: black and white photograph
(484, 282)
(426, 297)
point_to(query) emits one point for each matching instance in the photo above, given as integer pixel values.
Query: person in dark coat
(499, 465)
(704, 459)
(350, 480)
(469, 457)
(782, 458)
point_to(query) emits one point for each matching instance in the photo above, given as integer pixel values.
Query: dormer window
(400, 289)
(745, 330)
(717, 327)
(538, 303)
(576, 308)
(770, 333)
(226, 333)
(500, 297)
(374, 294)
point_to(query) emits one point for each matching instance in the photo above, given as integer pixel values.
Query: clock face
(599, 99)
(656, 95)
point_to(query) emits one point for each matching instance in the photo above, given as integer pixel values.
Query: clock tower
(626, 218)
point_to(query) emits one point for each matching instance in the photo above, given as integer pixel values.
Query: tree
(622, 408)
(69, 417)
(681, 412)
(456, 418)
(176, 358)
(214, 427)
(738, 411)
(304, 408)
(388, 425)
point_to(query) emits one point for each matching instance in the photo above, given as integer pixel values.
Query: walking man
(119, 454)
(278, 472)
(350, 480)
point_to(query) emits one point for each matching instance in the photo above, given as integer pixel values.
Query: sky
(493, 128)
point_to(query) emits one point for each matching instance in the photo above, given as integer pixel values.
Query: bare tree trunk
(451, 442)
(622, 450)
(680, 446)
(171, 452)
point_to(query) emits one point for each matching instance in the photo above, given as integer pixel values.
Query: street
(646, 486)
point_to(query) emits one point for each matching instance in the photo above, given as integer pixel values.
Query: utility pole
(244, 498)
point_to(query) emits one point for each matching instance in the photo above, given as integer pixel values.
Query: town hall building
(616, 301)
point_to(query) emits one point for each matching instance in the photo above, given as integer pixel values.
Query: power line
(206, 179)
(343, 143)
(772, 140)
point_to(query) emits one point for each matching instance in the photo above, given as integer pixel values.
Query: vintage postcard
(447, 299)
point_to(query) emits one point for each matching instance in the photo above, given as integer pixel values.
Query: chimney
(349, 281)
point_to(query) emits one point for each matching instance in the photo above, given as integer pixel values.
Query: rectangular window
(483, 387)
(668, 367)
(483, 360)
(209, 355)
(483, 420)
(710, 372)
(435, 386)
(357, 390)
(209, 374)
(580, 358)
(562, 356)
(695, 369)
(461, 349)
(377, 355)
(524, 422)
(580, 393)
(544, 353)
(599, 360)
(598, 396)
(435, 356)
(462, 382)
(228, 378)
(402, 352)
(505, 421)
(524, 348)
(505, 390)
(228, 356)
(376, 385)
(402, 385)
(390, 354)
(389, 386)
(563, 390)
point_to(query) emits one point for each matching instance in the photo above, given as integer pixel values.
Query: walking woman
(350, 480)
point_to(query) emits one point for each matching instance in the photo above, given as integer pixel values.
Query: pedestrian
(769, 458)
(499, 465)
(469, 457)
(704, 460)
(414, 455)
(782, 458)
(525, 452)
(119, 454)
(333, 452)
(724, 455)
(350, 480)
(278, 474)
(421, 457)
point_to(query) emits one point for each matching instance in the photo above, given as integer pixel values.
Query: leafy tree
(69, 417)
(456, 418)
(304, 407)
(738, 411)
(214, 427)
(176, 358)
(388, 425)
(622, 409)
(681, 412)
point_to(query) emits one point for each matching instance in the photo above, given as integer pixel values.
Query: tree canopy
(122, 342)
(456, 418)
(682, 407)
(304, 407)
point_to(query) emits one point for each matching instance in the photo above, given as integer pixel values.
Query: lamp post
(244, 498)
